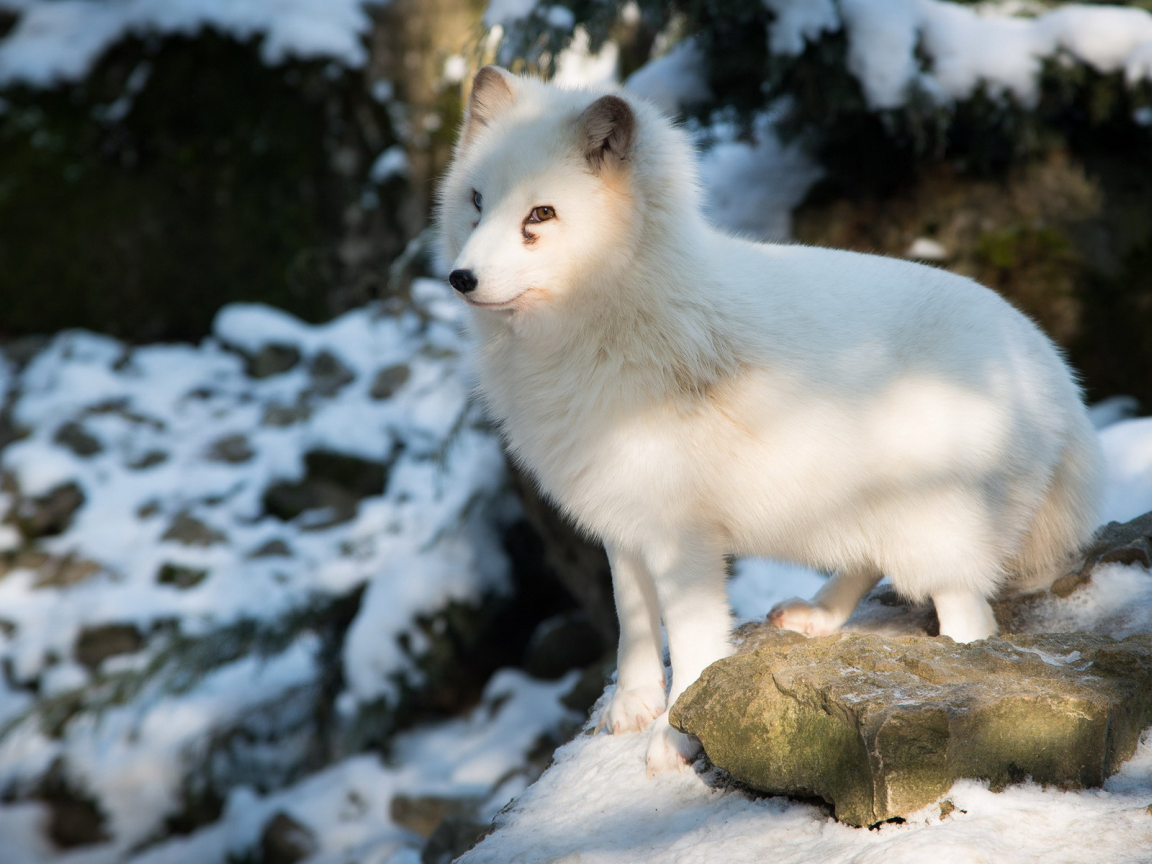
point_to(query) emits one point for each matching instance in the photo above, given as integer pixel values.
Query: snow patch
(56, 41)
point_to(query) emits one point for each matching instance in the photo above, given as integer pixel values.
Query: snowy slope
(179, 454)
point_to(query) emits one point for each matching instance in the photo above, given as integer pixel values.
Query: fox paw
(804, 617)
(670, 749)
(632, 710)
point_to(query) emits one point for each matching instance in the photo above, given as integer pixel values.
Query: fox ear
(492, 95)
(607, 129)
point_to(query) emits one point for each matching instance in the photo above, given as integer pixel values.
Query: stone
(328, 374)
(560, 643)
(191, 531)
(232, 449)
(881, 726)
(96, 644)
(73, 436)
(50, 514)
(578, 564)
(272, 360)
(74, 817)
(274, 548)
(285, 415)
(333, 482)
(1115, 543)
(388, 381)
(65, 571)
(286, 841)
(180, 576)
(150, 459)
(423, 814)
(452, 838)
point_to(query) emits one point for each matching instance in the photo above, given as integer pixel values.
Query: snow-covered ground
(595, 806)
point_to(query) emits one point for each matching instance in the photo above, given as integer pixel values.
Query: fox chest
(610, 469)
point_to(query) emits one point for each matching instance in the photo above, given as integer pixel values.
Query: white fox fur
(684, 395)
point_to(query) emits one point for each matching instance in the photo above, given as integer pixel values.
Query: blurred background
(268, 591)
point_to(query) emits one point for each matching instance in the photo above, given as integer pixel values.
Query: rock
(61, 572)
(180, 576)
(1115, 543)
(97, 644)
(388, 381)
(50, 514)
(333, 482)
(148, 460)
(272, 360)
(191, 531)
(452, 838)
(880, 727)
(423, 814)
(74, 819)
(285, 415)
(232, 449)
(274, 548)
(73, 436)
(590, 685)
(286, 841)
(580, 566)
(560, 643)
(329, 375)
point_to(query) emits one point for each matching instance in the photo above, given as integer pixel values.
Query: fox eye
(541, 214)
(477, 201)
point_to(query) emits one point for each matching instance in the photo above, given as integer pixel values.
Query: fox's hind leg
(965, 616)
(639, 696)
(831, 607)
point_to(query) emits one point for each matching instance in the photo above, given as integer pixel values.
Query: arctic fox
(684, 395)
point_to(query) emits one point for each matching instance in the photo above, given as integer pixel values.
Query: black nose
(462, 280)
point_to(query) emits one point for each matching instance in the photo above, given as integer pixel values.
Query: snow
(797, 24)
(481, 757)
(965, 46)
(740, 196)
(429, 537)
(926, 249)
(1128, 450)
(578, 66)
(674, 81)
(505, 12)
(596, 805)
(58, 40)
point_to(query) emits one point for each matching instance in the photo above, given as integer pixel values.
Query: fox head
(542, 193)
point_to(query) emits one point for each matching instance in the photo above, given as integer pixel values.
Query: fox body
(684, 395)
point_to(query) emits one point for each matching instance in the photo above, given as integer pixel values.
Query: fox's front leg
(689, 578)
(640, 686)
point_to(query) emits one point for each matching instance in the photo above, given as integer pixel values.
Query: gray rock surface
(882, 726)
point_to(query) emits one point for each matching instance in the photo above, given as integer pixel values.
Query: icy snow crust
(59, 40)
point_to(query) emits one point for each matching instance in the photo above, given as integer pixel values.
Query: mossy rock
(880, 727)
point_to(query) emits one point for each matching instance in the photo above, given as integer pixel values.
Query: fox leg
(965, 616)
(639, 696)
(832, 605)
